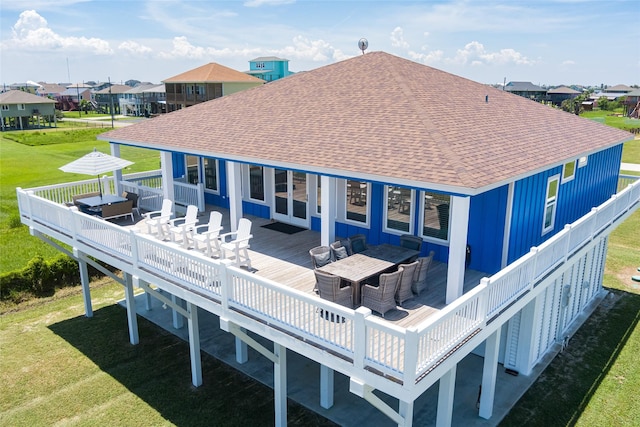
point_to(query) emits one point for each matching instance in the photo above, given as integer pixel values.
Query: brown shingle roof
(212, 73)
(20, 97)
(380, 117)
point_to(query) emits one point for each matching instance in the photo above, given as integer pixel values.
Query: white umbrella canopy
(95, 163)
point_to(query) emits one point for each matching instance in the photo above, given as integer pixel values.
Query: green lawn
(36, 164)
(61, 368)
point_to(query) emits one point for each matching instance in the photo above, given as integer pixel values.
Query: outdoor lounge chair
(117, 210)
(159, 220)
(239, 244)
(329, 288)
(420, 275)
(381, 298)
(320, 256)
(404, 291)
(206, 237)
(180, 228)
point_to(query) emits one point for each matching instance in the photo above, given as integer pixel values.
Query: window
(357, 201)
(256, 182)
(399, 209)
(550, 204)
(435, 210)
(582, 161)
(192, 169)
(318, 195)
(210, 174)
(21, 107)
(568, 172)
(5, 107)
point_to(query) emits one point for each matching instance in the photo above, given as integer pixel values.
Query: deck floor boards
(284, 258)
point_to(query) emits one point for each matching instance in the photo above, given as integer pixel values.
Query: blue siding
(487, 215)
(178, 165)
(593, 184)
(256, 209)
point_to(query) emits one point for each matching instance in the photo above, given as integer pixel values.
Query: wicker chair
(420, 275)
(404, 291)
(320, 256)
(358, 243)
(410, 241)
(340, 249)
(329, 288)
(381, 298)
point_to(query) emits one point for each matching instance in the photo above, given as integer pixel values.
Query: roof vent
(486, 99)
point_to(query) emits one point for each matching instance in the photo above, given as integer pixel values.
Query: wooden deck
(284, 258)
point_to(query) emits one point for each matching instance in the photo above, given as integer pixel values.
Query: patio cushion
(340, 252)
(322, 259)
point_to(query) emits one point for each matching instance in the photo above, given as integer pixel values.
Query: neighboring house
(155, 100)
(50, 90)
(618, 89)
(205, 83)
(108, 99)
(29, 87)
(70, 99)
(22, 110)
(526, 90)
(632, 103)
(369, 146)
(136, 101)
(269, 68)
(562, 93)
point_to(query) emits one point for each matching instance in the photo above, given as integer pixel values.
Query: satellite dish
(363, 44)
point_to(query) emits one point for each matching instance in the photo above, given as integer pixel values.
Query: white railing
(189, 194)
(149, 199)
(368, 340)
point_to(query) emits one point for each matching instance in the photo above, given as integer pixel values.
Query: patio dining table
(105, 199)
(367, 264)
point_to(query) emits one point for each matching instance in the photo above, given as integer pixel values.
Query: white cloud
(569, 62)
(32, 32)
(258, 3)
(134, 48)
(476, 54)
(397, 39)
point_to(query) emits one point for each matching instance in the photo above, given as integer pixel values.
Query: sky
(546, 42)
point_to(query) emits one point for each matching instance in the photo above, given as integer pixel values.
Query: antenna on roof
(363, 44)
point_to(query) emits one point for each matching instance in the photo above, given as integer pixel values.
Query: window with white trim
(256, 182)
(434, 217)
(398, 209)
(550, 204)
(357, 201)
(318, 194)
(211, 173)
(21, 107)
(5, 107)
(568, 171)
(191, 166)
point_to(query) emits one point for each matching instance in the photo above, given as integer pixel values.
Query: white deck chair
(180, 228)
(159, 220)
(239, 244)
(206, 236)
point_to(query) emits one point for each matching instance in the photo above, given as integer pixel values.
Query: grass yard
(61, 368)
(31, 159)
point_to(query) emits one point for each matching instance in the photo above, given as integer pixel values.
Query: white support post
(84, 281)
(328, 214)
(326, 386)
(117, 174)
(280, 384)
(178, 320)
(132, 319)
(528, 336)
(234, 189)
(405, 411)
(242, 351)
(167, 175)
(489, 374)
(194, 344)
(446, 391)
(458, 227)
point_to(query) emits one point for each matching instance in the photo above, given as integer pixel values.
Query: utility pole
(111, 101)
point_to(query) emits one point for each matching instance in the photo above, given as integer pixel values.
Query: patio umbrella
(96, 163)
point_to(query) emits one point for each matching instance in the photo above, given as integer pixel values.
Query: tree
(603, 103)
(85, 106)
